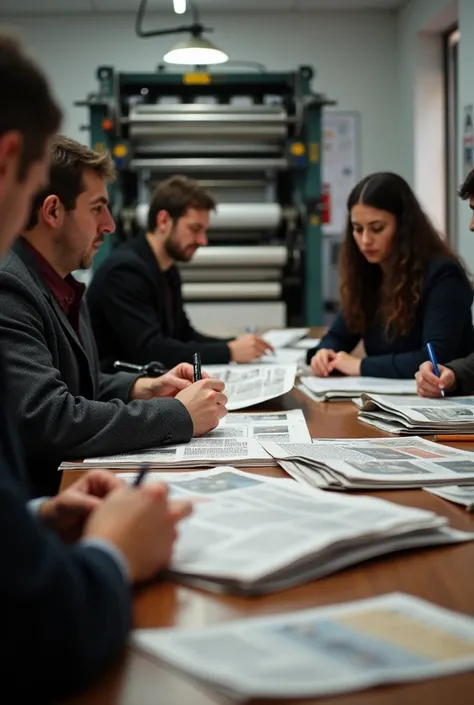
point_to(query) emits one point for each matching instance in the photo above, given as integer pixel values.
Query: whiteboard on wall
(341, 164)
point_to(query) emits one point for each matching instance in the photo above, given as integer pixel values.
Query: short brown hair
(69, 160)
(466, 190)
(27, 105)
(175, 196)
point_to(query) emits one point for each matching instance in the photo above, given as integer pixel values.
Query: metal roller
(233, 216)
(239, 256)
(212, 164)
(231, 291)
(253, 123)
(230, 274)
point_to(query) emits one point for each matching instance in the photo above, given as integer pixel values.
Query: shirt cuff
(115, 554)
(35, 504)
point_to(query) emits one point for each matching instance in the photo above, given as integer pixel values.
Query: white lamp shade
(195, 51)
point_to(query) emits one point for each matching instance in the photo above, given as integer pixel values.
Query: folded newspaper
(251, 534)
(284, 337)
(459, 495)
(343, 388)
(235, 440)
(413, 415)
(248, 385)
(393, 638)
(369, 463)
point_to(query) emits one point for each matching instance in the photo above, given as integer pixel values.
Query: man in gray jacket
(458, 376)
(64, 407)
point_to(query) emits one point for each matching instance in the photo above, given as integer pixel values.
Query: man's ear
(163, 220)
(11, 147)
(52, 211)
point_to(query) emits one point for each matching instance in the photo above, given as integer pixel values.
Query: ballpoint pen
(432, 356)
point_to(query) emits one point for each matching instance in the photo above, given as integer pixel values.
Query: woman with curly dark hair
(401, 287)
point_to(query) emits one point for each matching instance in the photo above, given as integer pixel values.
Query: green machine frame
(108, 125)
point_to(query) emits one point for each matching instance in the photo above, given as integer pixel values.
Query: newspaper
(285, 337)
(459, 495)
(236, 439)
(306, 343)
(368, 463)
(251, 534)
(248, 385)
(282, 356)
(343, 388)
(413, 415)
(392, 638)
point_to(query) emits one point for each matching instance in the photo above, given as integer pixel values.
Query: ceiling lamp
(193, 51)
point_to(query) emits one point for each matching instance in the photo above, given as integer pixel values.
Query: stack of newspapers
(371, 464)
(251, 534)
(236, 440)
(393, 638)
(343, 388)
(459, 495)
(412, 415)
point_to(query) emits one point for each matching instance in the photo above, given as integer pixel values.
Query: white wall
(354, 54)
(422, 118)
(466, 97)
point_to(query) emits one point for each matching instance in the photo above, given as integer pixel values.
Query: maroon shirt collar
(68, 292)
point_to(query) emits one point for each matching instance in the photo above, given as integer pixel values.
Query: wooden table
(443, 575)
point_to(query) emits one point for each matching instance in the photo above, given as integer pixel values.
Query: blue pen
(432, 356)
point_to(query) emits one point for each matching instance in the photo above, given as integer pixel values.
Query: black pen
(138, 479)
(197, 374)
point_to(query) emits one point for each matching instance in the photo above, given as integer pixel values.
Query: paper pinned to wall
(341, 164)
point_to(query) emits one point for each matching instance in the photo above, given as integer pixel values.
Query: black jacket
(443, 319)
(137, 312)
(65, 612)
(64, 407)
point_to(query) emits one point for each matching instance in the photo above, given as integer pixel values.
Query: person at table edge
(401, 287)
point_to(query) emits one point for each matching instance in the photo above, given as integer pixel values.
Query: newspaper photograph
(340, 388)
(248, 385)
(323, 651)
(391, 461)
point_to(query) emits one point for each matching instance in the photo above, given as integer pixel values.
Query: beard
(177, 253)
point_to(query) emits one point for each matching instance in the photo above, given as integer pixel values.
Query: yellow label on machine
(314, 152)
(202, 79)
(315, 220)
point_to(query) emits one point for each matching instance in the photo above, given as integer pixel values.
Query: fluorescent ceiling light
(179, 6)
(195, 51)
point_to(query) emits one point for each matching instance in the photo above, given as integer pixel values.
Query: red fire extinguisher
(326, 204)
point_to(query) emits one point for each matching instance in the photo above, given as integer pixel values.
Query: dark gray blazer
(64, 407)
(463, 368)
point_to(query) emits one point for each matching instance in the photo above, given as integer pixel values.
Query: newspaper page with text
(252, 534)
(248, 385)
(343, 388)
(380, 462)
(236, 440)
(417, 415)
